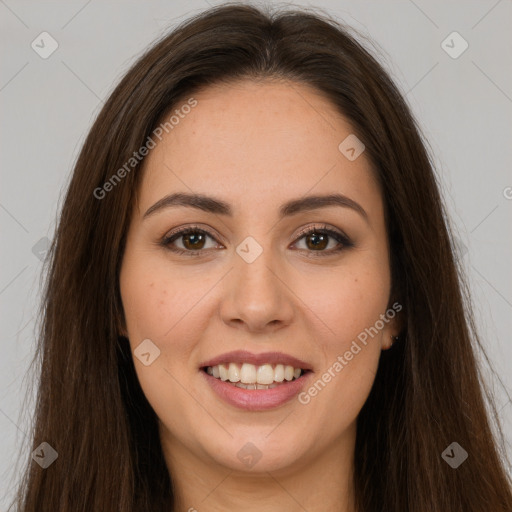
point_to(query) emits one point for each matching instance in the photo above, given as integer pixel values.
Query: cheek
(157, 302)
(350, 300)
(159, 309)
(169, 308)
(146, 305)
(351, 305)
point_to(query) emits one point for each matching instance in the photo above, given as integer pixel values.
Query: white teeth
(265, 374)
(223, 371)
(233, 373)
(279, 373)
(248, 373)
(249, 376)
(254, 386)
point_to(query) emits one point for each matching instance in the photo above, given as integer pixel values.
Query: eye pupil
(193, 239)
(319, 241)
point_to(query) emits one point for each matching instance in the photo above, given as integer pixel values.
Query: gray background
(464, 106)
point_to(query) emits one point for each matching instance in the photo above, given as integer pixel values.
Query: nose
(257, 297)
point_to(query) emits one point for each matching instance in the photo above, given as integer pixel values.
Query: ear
(393, 328)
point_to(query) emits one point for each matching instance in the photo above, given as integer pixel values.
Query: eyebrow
(219, 207)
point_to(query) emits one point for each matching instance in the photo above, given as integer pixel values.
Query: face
(254, 285)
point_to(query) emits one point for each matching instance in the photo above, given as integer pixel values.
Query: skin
(256, 146)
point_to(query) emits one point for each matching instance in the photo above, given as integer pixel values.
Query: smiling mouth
(250, 376)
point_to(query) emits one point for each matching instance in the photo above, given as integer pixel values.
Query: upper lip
(242, 356)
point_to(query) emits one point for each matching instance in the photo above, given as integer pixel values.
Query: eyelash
(340, 237)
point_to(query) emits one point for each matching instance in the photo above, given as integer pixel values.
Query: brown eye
(317, 241)
(193, 241)
(188, 241)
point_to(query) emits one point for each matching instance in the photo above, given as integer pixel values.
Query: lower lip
(256, 399)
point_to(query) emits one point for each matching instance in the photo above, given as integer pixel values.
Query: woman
(252, 299)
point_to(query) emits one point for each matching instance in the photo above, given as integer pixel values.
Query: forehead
(254, 141)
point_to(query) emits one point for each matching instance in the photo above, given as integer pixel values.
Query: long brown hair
(428, 391)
